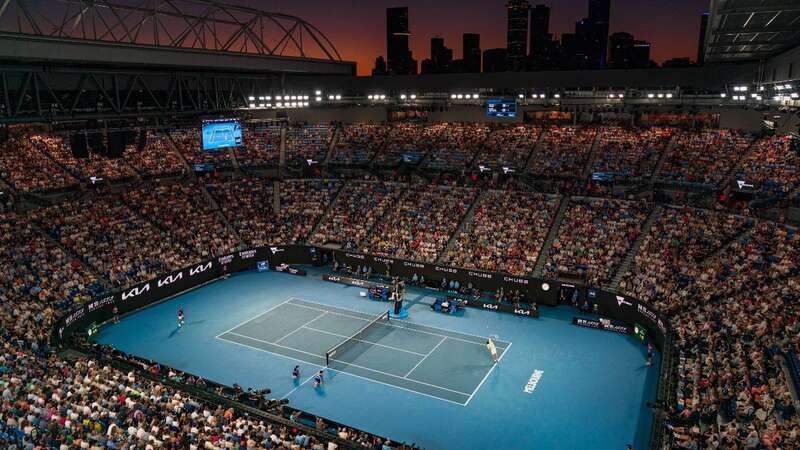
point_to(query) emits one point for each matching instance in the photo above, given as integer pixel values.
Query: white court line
(361, 340)
(343, 373)
(487, 374)
(426, 356)
(257, 316)
(301, 327)
(396, 326)
(352, 364)
(298, 386)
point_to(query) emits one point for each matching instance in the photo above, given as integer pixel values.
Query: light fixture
(475, 96)
(318, 93)
(338, 97)
(252, 105)
(650, 95)
(669, 95)
(723, 95)
(331, 97)
(452, 96)
(279, 98)
(251, 98)
(557, 96)
(460, 96)
(268, 97)
(402, 96)
(621, 95)
(521, 96)
(319, 99)
(413, 96)
(370, 97)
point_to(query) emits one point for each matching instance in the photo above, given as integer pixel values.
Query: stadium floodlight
(521, 96)
(460, 96)
(402, 96)
(778, 87)
(650, 95)
(268, 98)
(660, 95)
(723, 95)
(251, 98)
(279, 104)
(369, 97)
(317, 92)
(475, 96)
(621, 95)
(541, 96)
(305, 97)
(557, 96)
(794, 95)
(252, 105)
(383, 97)
(753, 95)
(338, 97)
(413, 96)
(305, 103)
(261, 105)
(278, 97)
(269, 105)
(452, 96)
(743, 88)
(319, 99)
(261, 97)
(669, 95)
(787, 86)
(759, 98)
(610, 95)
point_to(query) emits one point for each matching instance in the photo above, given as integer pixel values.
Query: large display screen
(501, 108)
(222, 133)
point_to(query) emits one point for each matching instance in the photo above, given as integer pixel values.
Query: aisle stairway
(327, 212)
(461, 225)
(661, 159)
(738, 238)
(622, 269)
(551, 236)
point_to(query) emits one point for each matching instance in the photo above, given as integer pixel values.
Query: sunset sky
(357, 27)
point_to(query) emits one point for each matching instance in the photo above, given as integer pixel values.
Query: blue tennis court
(427, 380)
(438, 363)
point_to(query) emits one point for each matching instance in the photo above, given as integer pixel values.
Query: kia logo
(489, 306)
(199, 269)
(136, 291)
(170, 279)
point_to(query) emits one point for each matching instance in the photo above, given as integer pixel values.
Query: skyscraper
(441, 57)
(540, 36)
(599, 13)
(472, 53)
(701, 44)
(517, 33)
(494, 60)
(628, 53)
(398, 55)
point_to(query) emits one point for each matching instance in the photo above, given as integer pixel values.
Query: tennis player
(319, 380)
(296, 373)
(180, 316)
(492, 349)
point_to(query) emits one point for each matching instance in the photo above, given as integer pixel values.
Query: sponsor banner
(504, 308)
(289, 269)
(603, 324)
(531, 288)
(262, 266)
(352, 281)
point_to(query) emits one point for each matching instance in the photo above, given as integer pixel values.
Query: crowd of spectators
(186, 214)
(113, 239)
(705, 157)
(26, 168)
(673, 253)
(408, 142)
(630, 152)
(772, 165)
(308, 142)
(420, 224)
(509, 146)
(358, 143)
(262, 144)
(157, 158)
(248, 204)
(93, 165)
(358, 208)
(505, 234)
(564, 151)
(457, 145)
(594, 237)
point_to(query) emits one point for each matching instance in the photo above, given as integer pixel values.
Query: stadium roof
(746, 30)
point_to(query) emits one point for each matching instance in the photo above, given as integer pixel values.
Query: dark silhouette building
(599, 14)
(628, 53)
(441, 59)
(517, 36)
(380, 66)
(495, 60)
(398, 55)
(472, 53)
(701, 44)
(542, 50)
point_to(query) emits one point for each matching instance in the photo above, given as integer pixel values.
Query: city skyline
(358, 28)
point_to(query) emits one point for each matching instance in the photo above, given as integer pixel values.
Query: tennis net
(330, 355)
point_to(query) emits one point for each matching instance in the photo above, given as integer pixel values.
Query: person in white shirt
(492, 349)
